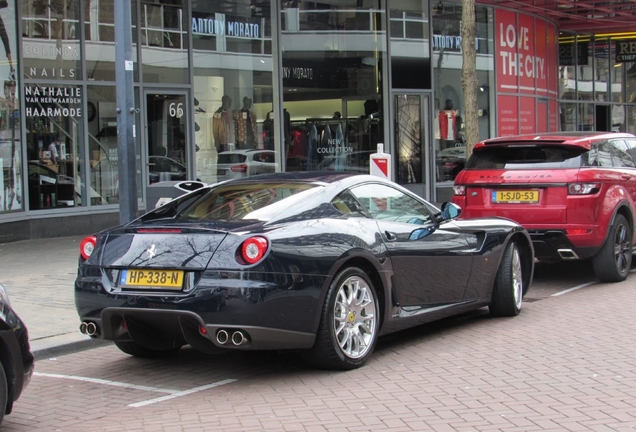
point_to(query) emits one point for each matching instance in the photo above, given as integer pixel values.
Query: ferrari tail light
(253, 249)
(583, 188)
(239, 168)
(87, 246)
(460, 189)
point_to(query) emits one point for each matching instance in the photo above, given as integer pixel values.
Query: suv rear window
(231, 158)
(526, 157)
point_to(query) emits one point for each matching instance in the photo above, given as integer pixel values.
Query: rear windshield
(231, 158)
(247, 201)
(526, 157)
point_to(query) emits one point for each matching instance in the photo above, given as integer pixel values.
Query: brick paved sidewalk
(39, 276)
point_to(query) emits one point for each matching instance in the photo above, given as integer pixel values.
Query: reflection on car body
(295, 261)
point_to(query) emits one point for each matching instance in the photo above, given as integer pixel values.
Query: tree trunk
(469, 75)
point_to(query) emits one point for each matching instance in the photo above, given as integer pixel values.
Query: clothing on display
(221, 125)
(245, 126)
(448, 124)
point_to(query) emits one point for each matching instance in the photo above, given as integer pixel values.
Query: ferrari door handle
(626, 176)
(390, 236)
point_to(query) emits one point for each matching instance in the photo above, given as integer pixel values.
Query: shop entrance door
(412, 125)
(166, 134)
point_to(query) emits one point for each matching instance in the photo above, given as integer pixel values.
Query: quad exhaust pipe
(238, 338)
(235, 337)
(89, 328)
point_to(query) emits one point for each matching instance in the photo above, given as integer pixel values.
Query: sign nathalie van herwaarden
(42, 101)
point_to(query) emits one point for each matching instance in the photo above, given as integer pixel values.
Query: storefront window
(333, 57)
(53, 122)
(102, 145)
(99, 24)
(164, 41)
(11, 189)
(449, 128)
(602, 73)
(232, 90)
(50, 43)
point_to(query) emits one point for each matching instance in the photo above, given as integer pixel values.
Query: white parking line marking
(182, 393)
(572, 289)
(107, 382)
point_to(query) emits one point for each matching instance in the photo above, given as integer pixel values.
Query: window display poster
(506, 50)
(507, 115)
(531, 63)
(552, 62)
(541, 46)
(520, 63)
(542, 116)
(527, 115)
(554, 114)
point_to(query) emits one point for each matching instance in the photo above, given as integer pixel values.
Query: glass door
(166, 137)
(412, 126)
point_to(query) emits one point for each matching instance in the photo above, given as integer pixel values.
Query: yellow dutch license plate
(516, 196)
(148, 278)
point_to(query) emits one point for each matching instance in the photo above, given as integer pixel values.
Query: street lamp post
(125, 112)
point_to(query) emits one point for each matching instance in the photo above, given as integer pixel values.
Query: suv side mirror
(450, 211)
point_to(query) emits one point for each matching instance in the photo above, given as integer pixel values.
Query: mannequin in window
(448, 125)
(245, 126)
(268, 131)
(221, 124)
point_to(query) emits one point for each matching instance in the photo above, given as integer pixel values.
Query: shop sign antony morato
(219, 26)
(53, 101)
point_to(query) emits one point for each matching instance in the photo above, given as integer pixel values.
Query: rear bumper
(164, 329)
(554, 245)
(276, 311)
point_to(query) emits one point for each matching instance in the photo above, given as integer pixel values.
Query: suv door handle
(626, 177)
(390, 236)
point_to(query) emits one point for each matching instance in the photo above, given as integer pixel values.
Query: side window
(631, 147)
(386, 203)
(348, 205)
(600, 155)
(620, 155)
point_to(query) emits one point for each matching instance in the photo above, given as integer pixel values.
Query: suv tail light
(460, 190)
(253, 250)
(87, 246)
(239, 168)
(583, 188)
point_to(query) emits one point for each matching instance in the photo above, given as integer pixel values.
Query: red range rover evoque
(574, 192)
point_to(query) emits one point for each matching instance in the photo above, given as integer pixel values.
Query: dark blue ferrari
(318, 262)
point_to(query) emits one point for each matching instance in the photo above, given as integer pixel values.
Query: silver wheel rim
(622, 247)
(354, 322)
(517, 279)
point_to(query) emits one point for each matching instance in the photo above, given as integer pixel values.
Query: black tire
(4, 392)
(349, 323)
(613, 262)
(136, 350)
(507, 294)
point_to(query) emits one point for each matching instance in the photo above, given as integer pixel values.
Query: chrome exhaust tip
(222, 337)
(238, 338)
(91, 329)
(567, 254)
(82, 327)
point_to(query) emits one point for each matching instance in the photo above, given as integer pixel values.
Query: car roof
(579, 139)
